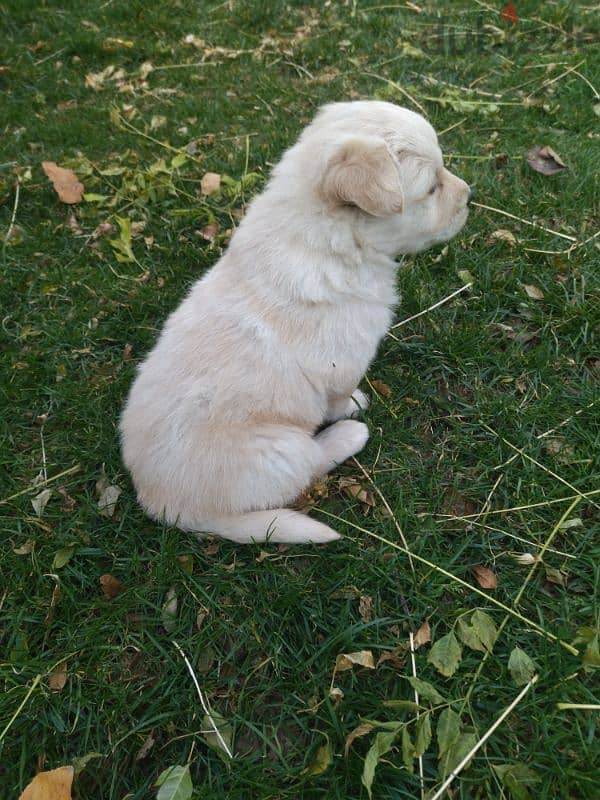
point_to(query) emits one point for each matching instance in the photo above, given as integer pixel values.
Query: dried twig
(529, 622)
(62, 474)
(389, 510)
(483, 739)
(204, 702)
(399, 89)
(11, 224)
(414, 672)
(583, 495)
(433, 307)
(30, 691)
(525, 221)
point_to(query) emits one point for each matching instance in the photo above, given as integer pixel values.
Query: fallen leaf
(186, 562)
(516, 777)
(110, 586)
(362, 658)
(465, 276)
(157, 121)
(445, 655)
(40, 501)
(521, 667)
(556, 576)
(336, 694)
(58, 678)
(112, 43)
(107, 502)
(354, 490)
(381, 388)
(210, 183)
(66, 184)
(485, 577)
(175, 783)
(503, 235)
(321, 761)
(365, 608)
(225, 730)
(209, 232)
(396, 658)
(425, 690)
(79, 764)
(24, 549)
(53, 785)
(169, 610)
(526, 559)
(533, 291)
(545, 160)
(361, 730)
(201, 615)
(63, 556)
(422, 636)
(147, 745)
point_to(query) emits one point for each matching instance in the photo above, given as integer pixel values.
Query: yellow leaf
(486, 578)
(320, 762)
(363, 658)
(53, 785)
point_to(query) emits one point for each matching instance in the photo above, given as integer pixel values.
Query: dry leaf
(169, 610)
(363, 658)
(356, 491)
(361, 730)
(58, 678)
(336, 694)
(66, 184)
(53, 785)
(526, 559)
(533, 291)
(503, 235)
(110, 586)
(556, 576)
(381, 388)
(145, 748)
(423, 635)
(545, 161)
(201, 616)
(107, 501)
(209, 231)
(485, 577)
(210, 183)
(396, 658)
(365, 608)
(24, 549)
(40, 501)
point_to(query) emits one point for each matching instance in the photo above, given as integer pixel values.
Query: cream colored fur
(219, 431)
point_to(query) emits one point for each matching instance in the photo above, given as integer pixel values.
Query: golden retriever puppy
(219, 431)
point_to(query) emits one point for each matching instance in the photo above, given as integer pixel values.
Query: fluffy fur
(219, 428)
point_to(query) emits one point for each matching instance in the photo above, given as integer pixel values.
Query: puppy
(218, 432)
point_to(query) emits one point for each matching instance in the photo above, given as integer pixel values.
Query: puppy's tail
(277, 525)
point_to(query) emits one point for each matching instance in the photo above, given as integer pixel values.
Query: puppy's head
(381, 166)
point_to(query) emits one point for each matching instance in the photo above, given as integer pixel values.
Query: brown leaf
(145, 748)
(363, 658)
(209, 232)
(503, 235)
(53, 785)
(361, 730)
(382, 388)
(423, 635)
(365, 608)
(66, 184)
(210, 183)
(110, 586)
(58, 678)
(24, 549)
(556, 576)
(533, 291)
(545, 161)
(485, 577)
(356, 491)
(396, 658)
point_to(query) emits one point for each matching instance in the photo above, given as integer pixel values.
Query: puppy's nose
(470, 197)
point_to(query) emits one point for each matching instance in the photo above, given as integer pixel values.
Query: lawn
(471, 519)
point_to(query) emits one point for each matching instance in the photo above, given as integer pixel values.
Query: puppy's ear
(362, 173)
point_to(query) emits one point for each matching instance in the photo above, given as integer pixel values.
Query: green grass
(493, 357)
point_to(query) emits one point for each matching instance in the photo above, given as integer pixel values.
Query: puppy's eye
(433, 188)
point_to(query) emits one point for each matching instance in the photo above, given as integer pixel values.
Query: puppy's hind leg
(278, 525)
(340, 441)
